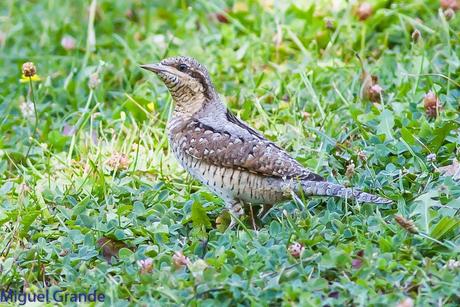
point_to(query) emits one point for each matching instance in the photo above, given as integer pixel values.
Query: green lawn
(94, 167)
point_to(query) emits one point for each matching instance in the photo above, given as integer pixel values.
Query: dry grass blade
(406, 224)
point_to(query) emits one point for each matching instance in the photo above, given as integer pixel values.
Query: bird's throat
(189, 107)
(189, 102)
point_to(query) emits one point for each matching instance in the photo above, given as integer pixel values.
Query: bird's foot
(236, 211)
(264, 211)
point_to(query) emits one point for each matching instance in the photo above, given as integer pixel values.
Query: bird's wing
(234, 144)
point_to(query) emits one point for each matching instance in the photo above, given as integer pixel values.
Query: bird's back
(234, 160)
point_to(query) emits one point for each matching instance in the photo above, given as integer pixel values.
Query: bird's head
(187, 80)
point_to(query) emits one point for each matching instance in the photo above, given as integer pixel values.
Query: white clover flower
(431, 157)
(27, 109)
(68, 42)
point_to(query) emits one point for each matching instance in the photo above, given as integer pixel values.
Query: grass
(99, 165)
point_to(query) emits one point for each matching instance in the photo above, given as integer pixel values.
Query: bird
(235, 161)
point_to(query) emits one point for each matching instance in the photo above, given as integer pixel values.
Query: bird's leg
(236, 210)
(251, 216)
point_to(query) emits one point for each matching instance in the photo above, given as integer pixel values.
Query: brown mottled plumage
(235, 161)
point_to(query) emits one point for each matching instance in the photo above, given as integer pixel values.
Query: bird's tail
(324, 188)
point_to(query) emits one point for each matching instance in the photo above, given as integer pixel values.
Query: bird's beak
(156, 68)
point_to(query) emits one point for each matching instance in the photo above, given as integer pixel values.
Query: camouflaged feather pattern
(252, 154)
(235, 161)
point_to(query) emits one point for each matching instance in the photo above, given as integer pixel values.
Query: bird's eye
(182, 67)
